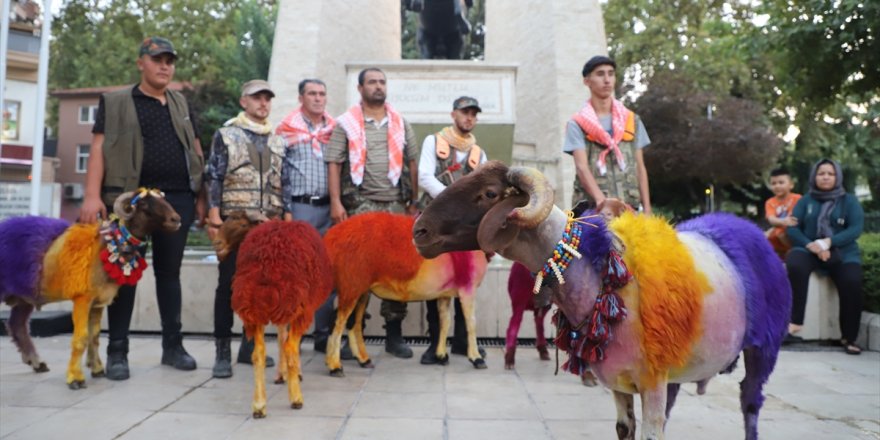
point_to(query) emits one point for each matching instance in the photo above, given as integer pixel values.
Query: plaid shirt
(303, 174)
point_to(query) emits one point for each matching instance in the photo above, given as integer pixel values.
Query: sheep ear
(496, 231)
(122, 206)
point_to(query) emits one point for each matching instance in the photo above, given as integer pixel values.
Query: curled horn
(122, 206)
(533, 183)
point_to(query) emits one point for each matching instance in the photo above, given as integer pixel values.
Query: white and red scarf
(294, 130)
(587, 119)
(352, 122)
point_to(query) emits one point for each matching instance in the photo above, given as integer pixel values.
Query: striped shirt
(303, 174)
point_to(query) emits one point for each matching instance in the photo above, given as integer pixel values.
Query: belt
(311, 200)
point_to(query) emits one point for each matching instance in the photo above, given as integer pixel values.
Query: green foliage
(870, 247)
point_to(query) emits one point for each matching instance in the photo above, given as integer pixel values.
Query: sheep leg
(759, 365)
(510, 339)
(671, 394)
(291, 356)
(468, 306)
(93, 356)
(283, 372)
(443, 306)
(259, 361)
(356, 334)
(17, 327)
(540, 339)
(654, 412)
(626, 418)
(81, 307)
(332, 360)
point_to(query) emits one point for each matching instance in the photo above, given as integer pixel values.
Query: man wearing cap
(446, 156)
(306, 132)
(606, 140)
(145, 136)
(371, 161)
(243, 175)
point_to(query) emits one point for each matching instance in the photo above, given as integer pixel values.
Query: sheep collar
(121, 256)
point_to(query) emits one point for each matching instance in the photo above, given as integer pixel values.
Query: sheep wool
(670, 291)
(23, 243)
(69, 262)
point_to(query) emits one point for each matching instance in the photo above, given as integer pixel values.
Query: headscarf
(828, 198)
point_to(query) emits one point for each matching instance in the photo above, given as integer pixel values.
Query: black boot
(174, 355)
(246, 350)
(429, 357)
(394, 342)
(223, 359)
(117, 360)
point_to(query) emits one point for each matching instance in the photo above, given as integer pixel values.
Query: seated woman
(829, 222)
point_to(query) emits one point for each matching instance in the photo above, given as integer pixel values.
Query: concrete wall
(25, 93)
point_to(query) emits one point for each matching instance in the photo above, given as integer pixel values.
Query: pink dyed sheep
(519, 286)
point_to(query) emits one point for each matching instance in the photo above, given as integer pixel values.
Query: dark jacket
(847, 220)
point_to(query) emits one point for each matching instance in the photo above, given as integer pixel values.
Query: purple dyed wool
(23, 243)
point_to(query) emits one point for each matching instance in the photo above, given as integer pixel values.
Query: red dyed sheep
(282, 276)
(519, 286)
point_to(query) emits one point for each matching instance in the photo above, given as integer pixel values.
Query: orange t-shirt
(774, 207)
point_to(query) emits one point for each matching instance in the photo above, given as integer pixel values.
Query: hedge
(869, 243)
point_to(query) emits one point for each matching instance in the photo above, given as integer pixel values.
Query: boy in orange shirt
(778, 210)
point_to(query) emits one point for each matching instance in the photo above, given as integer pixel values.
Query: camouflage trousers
(390, 310)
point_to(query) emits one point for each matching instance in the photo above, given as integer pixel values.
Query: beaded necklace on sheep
(121, 256)
(586, 341)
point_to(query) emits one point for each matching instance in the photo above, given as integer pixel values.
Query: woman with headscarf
(829, 222)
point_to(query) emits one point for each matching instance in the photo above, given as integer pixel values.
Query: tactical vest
(615, 183)
(253, 180)
(446, 172)
(123, 147)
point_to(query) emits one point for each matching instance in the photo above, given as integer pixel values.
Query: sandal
(852, 349)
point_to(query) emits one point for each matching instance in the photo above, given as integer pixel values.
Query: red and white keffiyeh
(587, 119)
(352, 122)
(294, 130)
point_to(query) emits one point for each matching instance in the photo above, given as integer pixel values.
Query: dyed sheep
(694, 297)
(45, 260)
(282, 276)
(374, 252)
(519, 286)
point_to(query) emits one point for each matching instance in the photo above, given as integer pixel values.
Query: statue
(442, 27)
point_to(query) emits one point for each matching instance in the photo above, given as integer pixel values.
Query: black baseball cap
(596, 61)
(156, 45)
(466, 102)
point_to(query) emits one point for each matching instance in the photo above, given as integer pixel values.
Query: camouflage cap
(155, 46)
(255, 86)
(466, 102)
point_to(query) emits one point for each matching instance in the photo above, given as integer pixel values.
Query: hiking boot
(223, 360)
(246, 350)
(394, 342)
(117, 360)
(174, 355)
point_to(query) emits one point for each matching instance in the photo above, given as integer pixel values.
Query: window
(87, 114)
(82, 158)
(11, 115)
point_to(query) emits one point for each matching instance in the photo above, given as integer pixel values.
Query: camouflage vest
(253, 180)
(446, 171)
(623, 185)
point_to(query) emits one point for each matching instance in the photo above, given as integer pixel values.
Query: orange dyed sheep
(282, 276)
(375, 252)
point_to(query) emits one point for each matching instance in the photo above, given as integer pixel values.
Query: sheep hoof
(42, 368)
(508, 366)
(259, 415)
(337, 372)
(279, 380)
(77, 384)
(98, 373)
(296, 405)
(366, 364)
(479, 364)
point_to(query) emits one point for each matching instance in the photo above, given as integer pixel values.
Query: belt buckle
(313, 200)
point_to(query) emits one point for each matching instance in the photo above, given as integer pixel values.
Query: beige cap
(255, 86)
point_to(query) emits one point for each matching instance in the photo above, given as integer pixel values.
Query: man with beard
(438, 168)
(372, 167)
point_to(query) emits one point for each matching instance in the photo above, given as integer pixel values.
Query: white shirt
(428, 165)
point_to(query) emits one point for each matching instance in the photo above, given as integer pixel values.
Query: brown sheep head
(146, 210)
(612, 208)
(233, 231)
(484, 210)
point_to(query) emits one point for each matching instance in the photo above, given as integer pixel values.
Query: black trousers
(459, 328)
(847, 278)
(223, 316)
(167, 258)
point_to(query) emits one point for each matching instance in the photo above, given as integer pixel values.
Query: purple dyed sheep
(45, 260)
